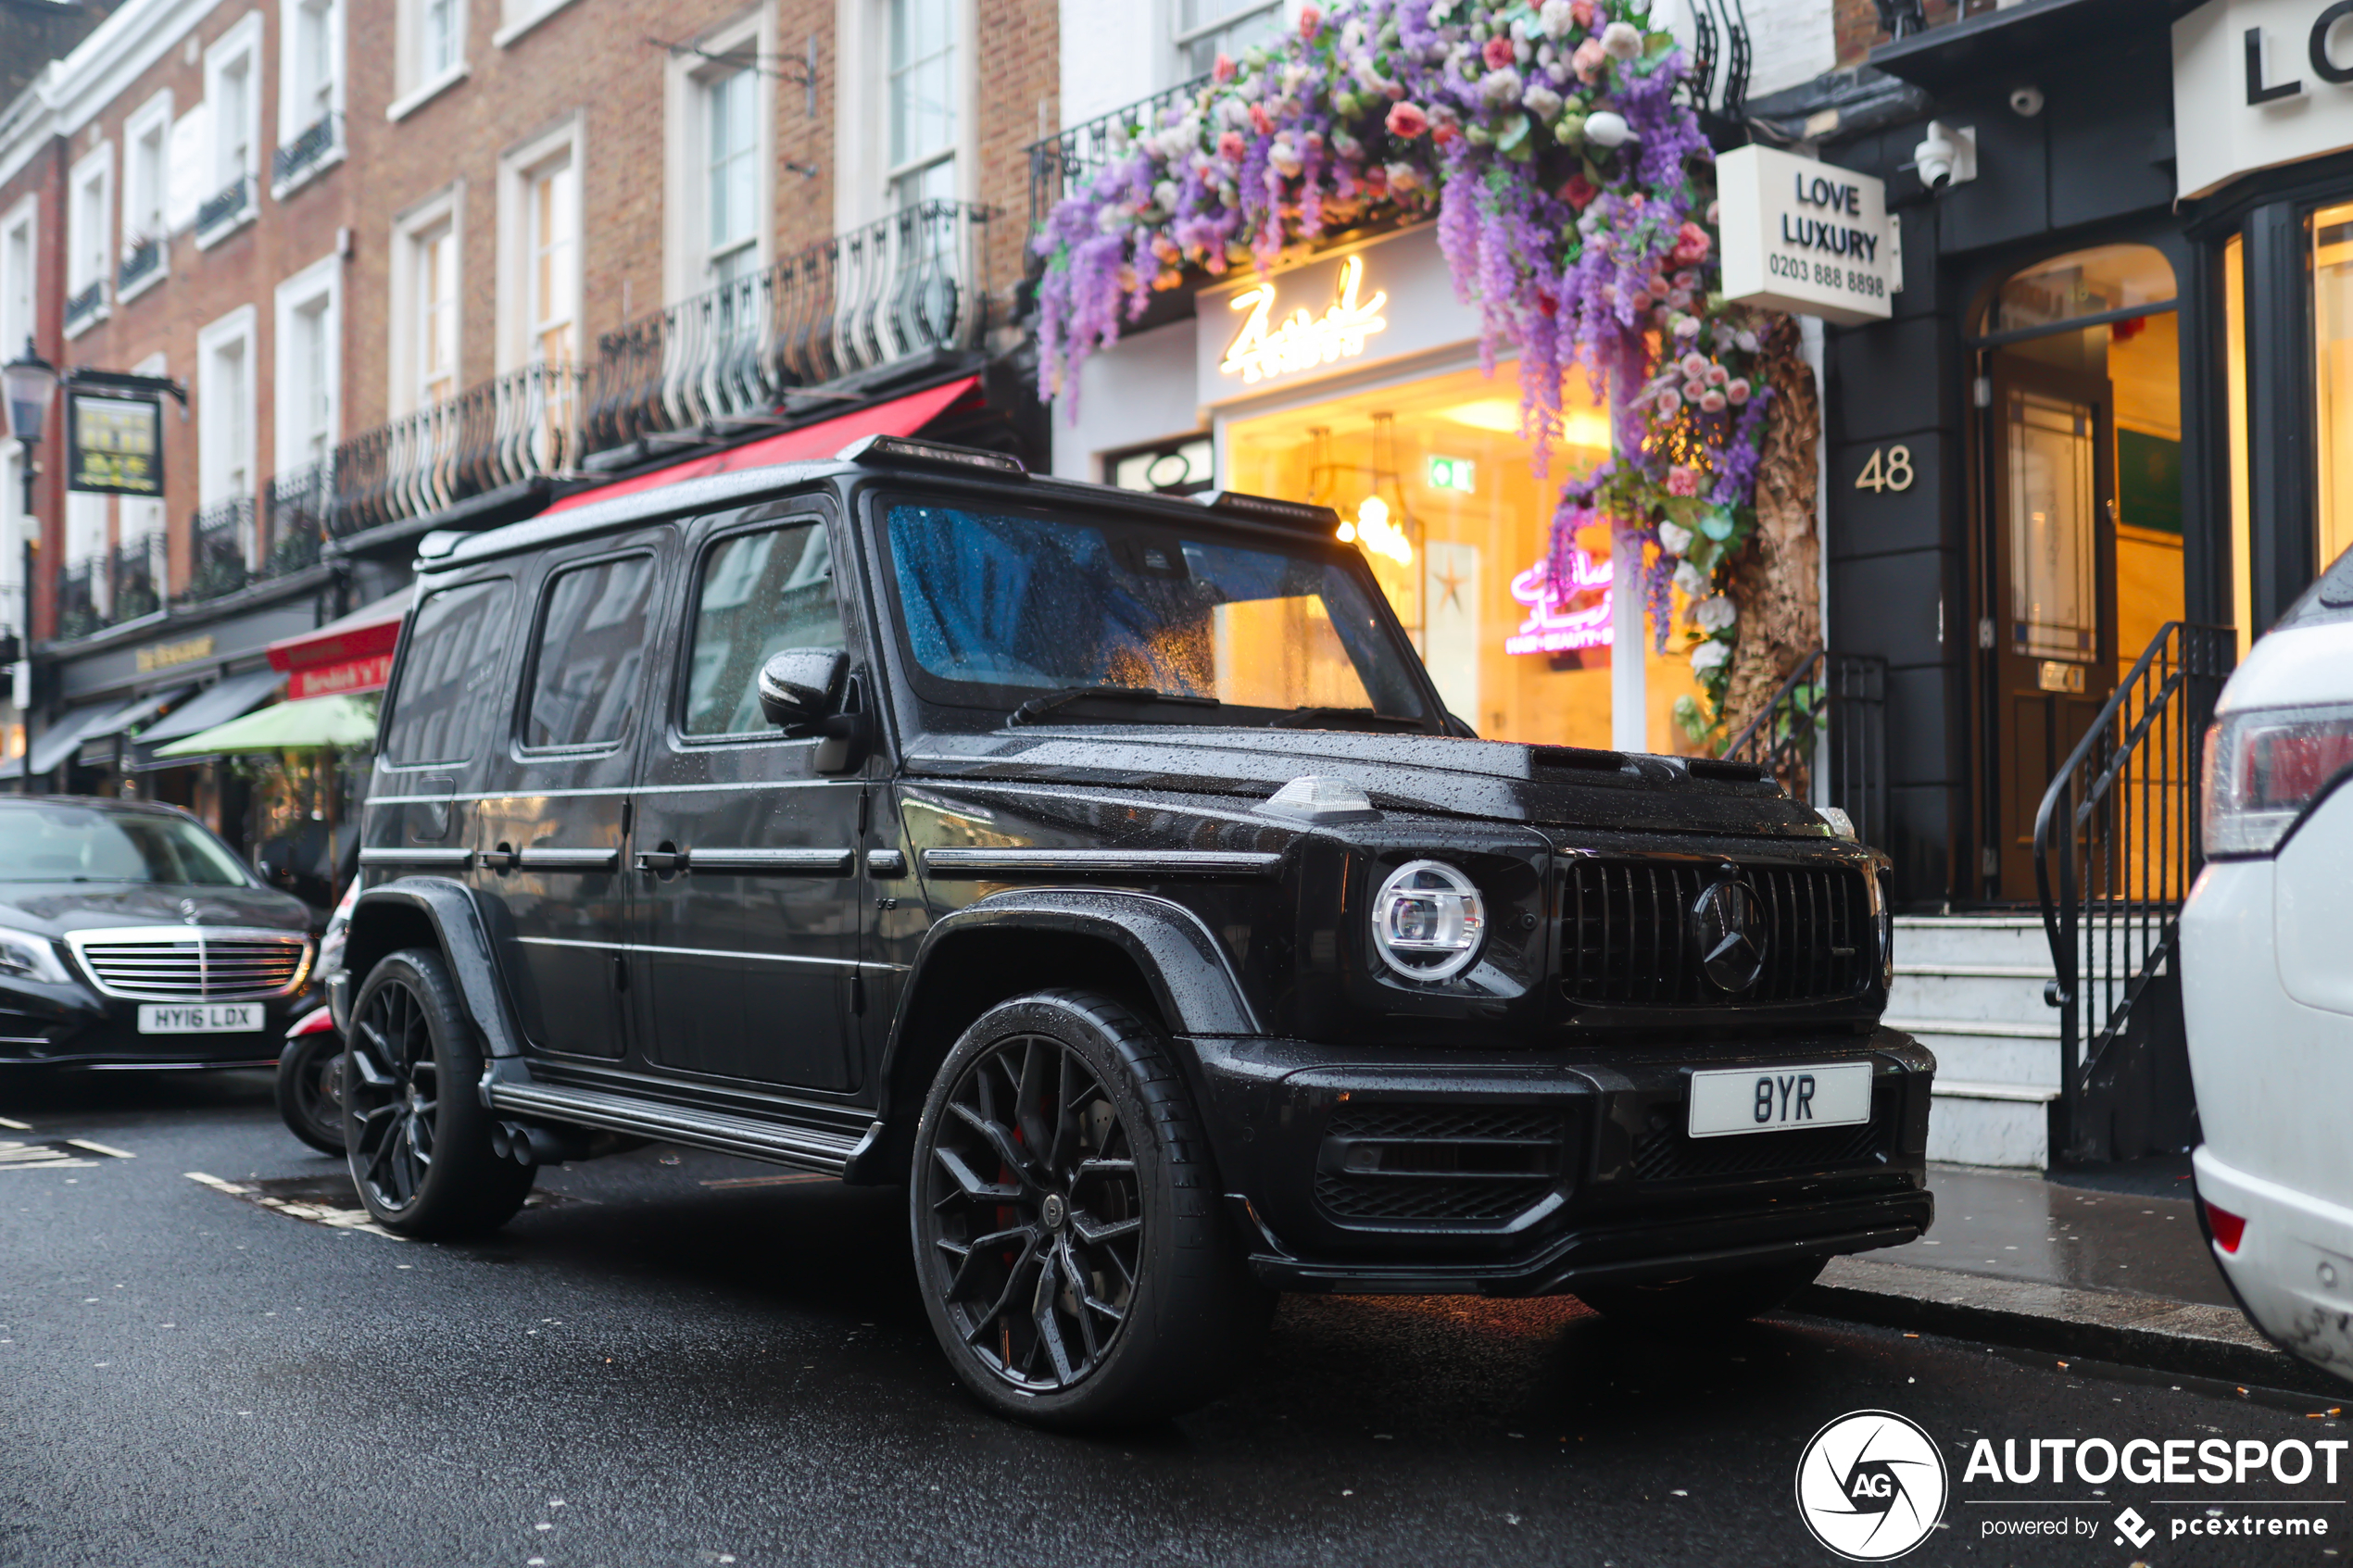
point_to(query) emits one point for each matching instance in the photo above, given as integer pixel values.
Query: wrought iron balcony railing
(1063, 161)
(85, 304)
(918, 279)
(137, 571)
(304, 152)
(79, 586)
(142, 261)
(499, 433)
(221, 551)
(295, 527)
(225, 206)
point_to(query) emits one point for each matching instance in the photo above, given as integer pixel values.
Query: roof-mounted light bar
(897, 450)
(1266, 509)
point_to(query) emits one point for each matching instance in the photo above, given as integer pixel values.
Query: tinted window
(592, 654)
(75, 844)
(450, 679)
(762, 592)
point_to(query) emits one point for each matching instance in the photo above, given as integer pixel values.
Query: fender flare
(464, 940)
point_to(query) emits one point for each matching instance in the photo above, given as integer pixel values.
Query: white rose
(1555, 19)
(1500, 86)
(1541, 101)
(1716, 613)
(1622, 41)
(1707, 656)
(1688, 579)
(1674, 539)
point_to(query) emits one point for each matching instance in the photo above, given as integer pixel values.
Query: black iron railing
(85, 304)
(225, 206)
(916, 281)
(305, 151)
(1824, 735)
(1063, 162)
(219, 550)
(1719, 35)
(79, 586)
(144, 259)
(501, 432)
(2116, 847)
(295, 529)
(136, 569)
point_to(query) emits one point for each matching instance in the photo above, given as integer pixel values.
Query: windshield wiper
(1037, 708)
(1348, 718)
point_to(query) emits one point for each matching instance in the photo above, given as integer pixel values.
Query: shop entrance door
(2052, 590)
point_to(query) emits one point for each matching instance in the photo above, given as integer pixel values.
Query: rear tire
(1703, 1300)
(417, 1132)
(1069, 1241)
(310, 1100)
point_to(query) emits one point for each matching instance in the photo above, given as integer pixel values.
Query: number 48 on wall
(1890, 469)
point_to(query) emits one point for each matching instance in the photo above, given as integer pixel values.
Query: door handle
(502, 859)
(661, 860)
(548, 859)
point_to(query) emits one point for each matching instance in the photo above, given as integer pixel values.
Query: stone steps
(1969, 988)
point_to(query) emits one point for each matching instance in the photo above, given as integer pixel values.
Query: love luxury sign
(1271, 347)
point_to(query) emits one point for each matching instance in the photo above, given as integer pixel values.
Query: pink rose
(1406, 121)
(1224, 70)
(1497, 51)
(1658, 288)
(1712, 402)
(1588, 61)
(1692, 244)
(1682, 481)
(1310, 19)
(1578, 192)
(1736, 390)
(1718, 375)
(1229, 146)
(1693, 366)
(1260, 121)
(1670, 403)
(1581, 12)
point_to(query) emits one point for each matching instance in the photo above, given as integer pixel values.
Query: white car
(2267, 979)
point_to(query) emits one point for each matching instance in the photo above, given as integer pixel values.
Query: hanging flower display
(1571, 192)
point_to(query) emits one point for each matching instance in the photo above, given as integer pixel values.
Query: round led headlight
(1427, 920)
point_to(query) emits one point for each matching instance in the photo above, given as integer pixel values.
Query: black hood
(52, 909)
(1485, 781)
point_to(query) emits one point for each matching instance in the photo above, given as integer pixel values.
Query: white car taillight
(2264, 767)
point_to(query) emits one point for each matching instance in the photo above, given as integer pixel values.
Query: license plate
(199, 1018)
(1756, 1099)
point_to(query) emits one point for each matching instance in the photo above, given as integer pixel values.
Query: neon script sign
(1266, 346)
(1556, 623)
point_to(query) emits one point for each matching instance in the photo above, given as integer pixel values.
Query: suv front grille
(1627, 938)
(1478, 1163)
(189, 963)
(1675, 1155)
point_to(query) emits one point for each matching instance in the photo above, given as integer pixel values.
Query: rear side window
(591, 656)
(762, 592)
(450, 679)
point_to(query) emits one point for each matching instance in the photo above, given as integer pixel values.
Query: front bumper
(1525, 1173)
(73, 1025)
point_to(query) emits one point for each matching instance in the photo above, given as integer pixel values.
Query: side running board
(807, 1148)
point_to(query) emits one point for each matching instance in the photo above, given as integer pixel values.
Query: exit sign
(1458, 475)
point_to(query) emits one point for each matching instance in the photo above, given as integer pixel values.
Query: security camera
(2026, 102)
(1946, 155)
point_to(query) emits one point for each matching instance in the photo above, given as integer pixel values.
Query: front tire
(418, 1135)
(1069, 1241)
(309, 1099)
(1703, 1300)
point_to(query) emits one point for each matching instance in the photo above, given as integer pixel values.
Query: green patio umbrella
(338, 720)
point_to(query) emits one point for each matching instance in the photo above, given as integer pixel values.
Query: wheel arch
(1140, 949)
(434, 912)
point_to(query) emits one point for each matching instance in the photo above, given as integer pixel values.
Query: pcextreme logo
(1872, 1486)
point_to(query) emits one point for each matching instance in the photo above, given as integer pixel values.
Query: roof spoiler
(1266, 509)
(875, 451)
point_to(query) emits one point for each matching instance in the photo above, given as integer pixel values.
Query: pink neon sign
(1557, 622)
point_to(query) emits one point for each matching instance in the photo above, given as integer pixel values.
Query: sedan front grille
(1627, 937)
(190, 963)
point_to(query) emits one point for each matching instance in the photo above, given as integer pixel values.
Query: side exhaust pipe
(527, 1144)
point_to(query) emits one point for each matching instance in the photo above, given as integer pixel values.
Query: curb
(2153, 1332)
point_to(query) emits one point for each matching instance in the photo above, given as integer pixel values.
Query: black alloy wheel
(417, 1136)
(310, 1089)
(1052, 1151)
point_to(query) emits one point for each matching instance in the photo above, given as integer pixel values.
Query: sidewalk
(2116, 1271)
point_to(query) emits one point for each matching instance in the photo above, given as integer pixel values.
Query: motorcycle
(310, 1064)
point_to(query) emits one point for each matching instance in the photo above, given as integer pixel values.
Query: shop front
(1351, 378)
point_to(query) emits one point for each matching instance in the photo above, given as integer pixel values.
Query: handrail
(2112, 867)
(521, 425)
(1823, 733)
(1075, 150)
(1781, 694)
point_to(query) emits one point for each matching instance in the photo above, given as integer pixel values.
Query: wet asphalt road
(656, 1369)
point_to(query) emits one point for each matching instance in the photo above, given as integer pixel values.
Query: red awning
(903, 417)
(350, 655)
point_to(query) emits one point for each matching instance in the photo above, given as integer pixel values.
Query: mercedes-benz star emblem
(1732, 943)
(188, 911)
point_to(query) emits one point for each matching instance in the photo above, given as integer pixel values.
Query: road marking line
(314, 1213)
(231, 1188)
(95, 1147)
(15, 1127)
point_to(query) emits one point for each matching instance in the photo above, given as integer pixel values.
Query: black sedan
(132, 938)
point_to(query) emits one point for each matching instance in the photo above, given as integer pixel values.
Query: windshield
(1031, 612)
(76, 843)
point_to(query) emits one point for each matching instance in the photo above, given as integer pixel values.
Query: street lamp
(27, 384)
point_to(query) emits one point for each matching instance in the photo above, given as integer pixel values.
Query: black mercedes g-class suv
(1104, 868)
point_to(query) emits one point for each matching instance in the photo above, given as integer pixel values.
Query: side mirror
(797, 686)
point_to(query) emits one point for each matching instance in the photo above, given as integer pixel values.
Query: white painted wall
(1113, 54)
(1791, 43)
